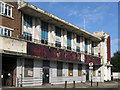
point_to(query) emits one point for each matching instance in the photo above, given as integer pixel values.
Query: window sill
(7, 16)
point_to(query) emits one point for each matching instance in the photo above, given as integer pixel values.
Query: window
(78, 49)
(85, 45)
(92, 48)
(28, 68)
(70, 69)
(78, 44)
(27, 36)
(44, 33)
(99, 73)
(59, 68)
(58, 37)
(69, 40)
(27, 20)
(5, 9)
(79, 69)
(5, 31)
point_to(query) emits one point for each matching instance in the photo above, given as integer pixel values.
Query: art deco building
(38, 47)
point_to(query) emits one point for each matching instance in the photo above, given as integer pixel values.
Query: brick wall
(13, 23)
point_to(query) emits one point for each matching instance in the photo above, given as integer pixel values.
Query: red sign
(91, 64)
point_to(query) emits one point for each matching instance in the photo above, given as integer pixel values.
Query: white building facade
(52, 50)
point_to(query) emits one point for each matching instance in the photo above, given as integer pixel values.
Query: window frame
(69, 40)
(27, 21)
(4, 31)
(86, 45)
(59, 67)
(78, 43)
(57, 35)
(29, 67)
(92, 49)
(27, 36)
(4, 9)
(44, 32)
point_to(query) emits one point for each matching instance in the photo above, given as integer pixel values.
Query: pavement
(111, 84)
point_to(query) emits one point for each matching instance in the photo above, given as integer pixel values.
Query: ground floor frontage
(28, 71)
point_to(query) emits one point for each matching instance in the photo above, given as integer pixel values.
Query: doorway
(87, 75)
(45, 75)
(9, 70)
(46, 65)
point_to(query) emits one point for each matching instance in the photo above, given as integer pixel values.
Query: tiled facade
(47, 49)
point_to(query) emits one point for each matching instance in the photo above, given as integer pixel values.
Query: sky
(99, 16)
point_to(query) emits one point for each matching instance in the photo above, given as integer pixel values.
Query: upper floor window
(27, 20)
(5, 31)
(5, 9)
(44, 33)
(86, 42)
(58, 37)
(78, 43)
(69, 40)
(92, 49)
(27, 36)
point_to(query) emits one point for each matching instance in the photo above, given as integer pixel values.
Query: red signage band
(108, 49)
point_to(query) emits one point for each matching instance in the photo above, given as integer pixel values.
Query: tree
(115, 61)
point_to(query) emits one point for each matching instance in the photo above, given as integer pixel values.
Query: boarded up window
(59, 68)
(79, 69)
(70, 69)
(28, 70)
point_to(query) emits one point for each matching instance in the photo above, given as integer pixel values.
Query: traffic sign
(91, 68)
(91, 64)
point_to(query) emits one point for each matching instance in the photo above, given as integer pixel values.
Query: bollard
(65, 84)
(97, 83)
(73, 84)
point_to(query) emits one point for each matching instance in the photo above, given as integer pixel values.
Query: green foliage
(115, 61)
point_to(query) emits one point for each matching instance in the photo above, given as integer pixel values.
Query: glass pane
(59, 72)
(9, 10)
(5, 33)
(2, 31)
(2, 8)
(9, 32)
(6, 10)
(69, 39)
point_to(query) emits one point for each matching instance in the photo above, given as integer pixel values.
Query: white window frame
(8, 5)
(8, 29)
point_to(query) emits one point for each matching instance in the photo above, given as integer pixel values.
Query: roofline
(24, 4)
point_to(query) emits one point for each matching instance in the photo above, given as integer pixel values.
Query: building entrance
(9, 70)
(46, 65)
(45, 75)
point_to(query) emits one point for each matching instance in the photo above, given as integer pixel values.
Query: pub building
(38, 47)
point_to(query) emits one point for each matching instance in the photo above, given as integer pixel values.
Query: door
(87, 75)
(9, 71)
(45, 75)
